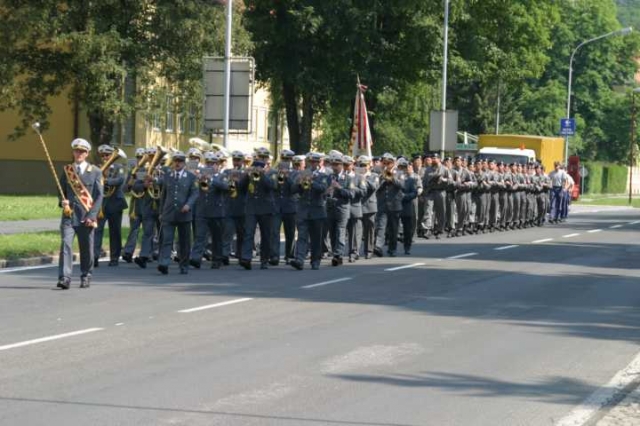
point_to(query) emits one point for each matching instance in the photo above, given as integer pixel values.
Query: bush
(593, 182)
(614, 179)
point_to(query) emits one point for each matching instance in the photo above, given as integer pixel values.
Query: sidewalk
(38, 225)
(626, 413)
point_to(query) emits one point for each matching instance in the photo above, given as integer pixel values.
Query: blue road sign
(567, 127)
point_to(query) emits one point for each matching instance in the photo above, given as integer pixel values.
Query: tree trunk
(101, 130)
(307, 123)
(290, 97)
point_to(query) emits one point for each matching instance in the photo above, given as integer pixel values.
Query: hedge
(605, 178)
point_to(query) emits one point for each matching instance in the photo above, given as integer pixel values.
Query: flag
(361, 141)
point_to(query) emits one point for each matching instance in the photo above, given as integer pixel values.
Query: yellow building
(23, 169)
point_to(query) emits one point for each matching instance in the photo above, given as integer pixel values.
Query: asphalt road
(483, 330)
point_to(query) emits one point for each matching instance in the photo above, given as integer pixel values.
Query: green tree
(89, 48)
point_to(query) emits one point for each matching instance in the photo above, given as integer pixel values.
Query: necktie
(79, 170)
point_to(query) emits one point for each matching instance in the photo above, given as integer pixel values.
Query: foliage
(629, 13)
(614, 179)
(593, 182)
(89, 48)
(17, 207)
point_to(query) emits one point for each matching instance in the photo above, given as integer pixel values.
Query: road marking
(32, 268)
(462, 256)
(49, 338)
(635, 222)
(593, 231)
(545, 240)
(603, 396)
(570, 235)
(119, 324)
(339, 280)
(615, 226)
(397, 268)
(506, 247)
(215, 305)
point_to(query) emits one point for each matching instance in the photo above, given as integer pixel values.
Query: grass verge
(609, 201)
(17, 246)
(27, 207)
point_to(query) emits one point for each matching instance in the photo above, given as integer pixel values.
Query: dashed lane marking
(593, 231)
(462, 256)
(215, 305)
(544, 240)
(398, 268)
(570, 235)
(49, 338)
(339, 280)
(615, 226)
(506, 247)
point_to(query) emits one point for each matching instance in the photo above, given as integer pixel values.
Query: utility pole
(227, 73)
(632, 141)
(444, 76)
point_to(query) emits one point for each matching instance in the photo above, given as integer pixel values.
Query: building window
(192, 120)
(170, 114)
(180, 119)
(155, 121)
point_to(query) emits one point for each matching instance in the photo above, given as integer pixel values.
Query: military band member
(259, 187)
(145, 188)
(285, 210)
(340, 193)
(466, 184)
(428, 182)
(354, 225)
(83, 191)
(390, 196)
(369, 206)
(235, 207)
(409, 203)
(311, 186)
(450, 212)
(135, 210)
(179, 195)
(114, 203)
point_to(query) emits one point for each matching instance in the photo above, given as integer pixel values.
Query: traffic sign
(567, 127)
(584, 172)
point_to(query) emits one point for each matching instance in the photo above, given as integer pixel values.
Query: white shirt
(178, 174)
(83, 167)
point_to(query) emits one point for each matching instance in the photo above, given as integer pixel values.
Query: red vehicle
(573, 168)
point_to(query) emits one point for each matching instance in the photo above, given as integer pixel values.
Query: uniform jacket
(370, 200)
(116, 178)
(410, 194)
(285, 202)
(259, 198)
(213, 202)
(176, 193)
(390, 193)
(312, 202)
(360, 190)
(236, 206)
(339, 199)
(92, 180)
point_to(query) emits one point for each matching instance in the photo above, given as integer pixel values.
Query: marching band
(328, 206)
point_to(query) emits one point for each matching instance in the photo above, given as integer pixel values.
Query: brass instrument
(169, 156)
(234, 175)
(117, 154)
(144, 160)
(153, 173)
(200, 144)
(256, 174)
(304, 179)
(387, 175)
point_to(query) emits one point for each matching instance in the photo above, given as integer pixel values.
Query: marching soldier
(452, 182)
(258, 187)
(390, 196)
(235, 207)
(143, 188)
(211, 213)
(463, 196)
(409, 204)
(426, 223)
(311, 187)
(354, 225)
(543, 195)
(113, 205)
(135, 211)
(341, 192)
(179, 195)
(83, 191)
(419, 170)
(438, 182)
(369, 206)
(494, 200)
(285, 210)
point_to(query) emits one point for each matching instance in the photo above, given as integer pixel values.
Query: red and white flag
(361, 141)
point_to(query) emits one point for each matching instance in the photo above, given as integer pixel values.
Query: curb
(31, 261)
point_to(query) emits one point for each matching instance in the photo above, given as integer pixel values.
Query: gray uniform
(112, 208)
(438, 183)
(354, 226)
(369, 210)
(178, 190)
(466, 183)
(339, 210)
(409, 208)
(428, 181)
(149, 213)
(390, 194)
(235, 215)
(284, 216)
(71, 226)
(135, 220)
(259, 210)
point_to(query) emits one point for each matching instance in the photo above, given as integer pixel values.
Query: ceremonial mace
(67, 209)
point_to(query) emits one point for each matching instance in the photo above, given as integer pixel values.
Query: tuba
(144, 160)
(117, 154)
(153, 172)
(200, 144)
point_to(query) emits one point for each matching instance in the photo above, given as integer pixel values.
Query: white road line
(603, 396)
(119, 324)
(570, 235)
(397, 268)
(593, 231)
(462, 256)
(506, 247)
(32, 268)
(215, 305)
(545, 240)
(635, 222)
(339, 280)
(615, 226)
(48, 339)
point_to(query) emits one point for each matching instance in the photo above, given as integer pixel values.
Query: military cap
(105, 149)
(457, 157)
(435, 155)
(262, 152)
(447, 159)
(402, 162)
(298, 159)
(151, 150)
(347, 160)
(376, 158)
(237, 155)
(314, 156)
(258, 163)
(491, 160)
(178, 156)
(287, 154)
(388, 157)
(140, 152)
(336, 158)
(334, 153)
(211, 157)
(194, 152)
(416, 155)
(81, 144)
(500, 163)
(363, 159)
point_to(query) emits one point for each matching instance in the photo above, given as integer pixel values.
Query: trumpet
(304, 179)
(256, 174)
(204, 184)
(387, 175)
(117, 154)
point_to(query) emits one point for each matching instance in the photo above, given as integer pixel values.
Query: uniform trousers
(233, 225)
(354, 233)
(439, 210)
(115, 234)
(387, 222)
(149, 228)
(309, 238)
(132, 238)
(184, 243)
(288, 222)
(337, 222)
(368, 232)
(251, 222)
(85, 243)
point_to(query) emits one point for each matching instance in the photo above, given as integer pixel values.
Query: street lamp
(623, 31)
(632, 141)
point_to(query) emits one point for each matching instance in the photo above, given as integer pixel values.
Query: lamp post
(444, 76)
(227, 74)
(632, 141)
(624, 31)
